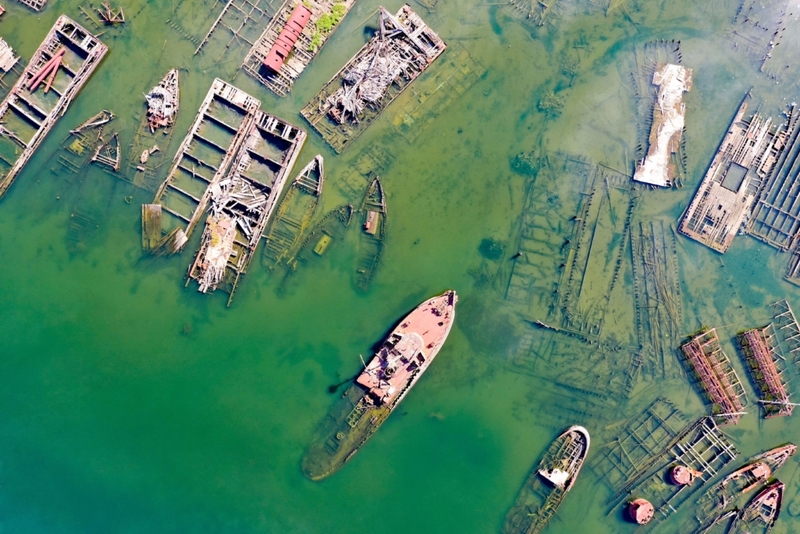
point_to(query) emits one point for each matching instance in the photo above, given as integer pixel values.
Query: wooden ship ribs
(67, 57)
(303, 50)
(242, 202)
(759, 351)
(714, 372)
(200, 163)
(372, 235)
(402, 48)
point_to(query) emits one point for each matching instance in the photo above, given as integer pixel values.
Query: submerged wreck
(668, 121)
(760, 514)
(294, 214)
(402, 48)
(398, 364)
(538, 500)
(372, 235)
(243, 202)
(63, 63)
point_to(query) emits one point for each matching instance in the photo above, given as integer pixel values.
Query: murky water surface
(131, 404)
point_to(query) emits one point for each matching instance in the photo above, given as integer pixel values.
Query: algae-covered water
(129, 403)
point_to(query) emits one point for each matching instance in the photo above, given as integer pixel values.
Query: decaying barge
(397, 365)
(668, 120)
(402, 48)
(200, 163)
(154, 134)
(759, 348)
(372, 236)
(66, 58)
(292, 40)
(715, 374)
(538, 501)
(82, 143)
(295, 213)
(729, 188)
(243, 202)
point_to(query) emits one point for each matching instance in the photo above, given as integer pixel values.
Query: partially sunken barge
(402, 48)
(716, 376)
(201, 161)
(243, 202)
(729, 189)
(293, 38)
(60, 67)
(758, 346)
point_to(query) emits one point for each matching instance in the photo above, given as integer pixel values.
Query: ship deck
(28, 116)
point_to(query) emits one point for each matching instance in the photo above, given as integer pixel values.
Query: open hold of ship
(151, 141)
(372, 235)
(63, 63)
(294, 214)
(538, 500)
(760, 514)
(397, 365)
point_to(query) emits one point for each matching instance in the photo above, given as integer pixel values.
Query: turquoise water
(131, 404)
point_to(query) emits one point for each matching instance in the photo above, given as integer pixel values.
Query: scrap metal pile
(392, 52)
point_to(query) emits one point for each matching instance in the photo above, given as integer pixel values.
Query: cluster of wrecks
(232, 169)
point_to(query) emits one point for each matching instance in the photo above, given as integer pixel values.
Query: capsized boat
(163, 101)
(397, 365)
(372, 235)
(760, 514)
(547, 486)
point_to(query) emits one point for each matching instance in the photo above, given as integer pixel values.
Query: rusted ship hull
(385, 381)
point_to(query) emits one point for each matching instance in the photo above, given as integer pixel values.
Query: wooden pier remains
(717, 377)
(202, 159)
(242, 20)
(402, 48)
(27, 115)
(246, 198)
(759, 349)
(726, 195)
(325, 18)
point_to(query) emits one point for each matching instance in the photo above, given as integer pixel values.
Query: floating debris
(292, 40)
(80, 52)
(717, 377)
(400, 51)
(668, 121)
(402, 358)
(538, 501)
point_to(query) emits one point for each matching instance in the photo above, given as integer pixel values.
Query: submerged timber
(538, 501)
(323, 19)
(294, 213)
(402, 48)
(668, 121)
(201, 161)
(155, 128)
(372, 235)
(243, 202)
(397, 365)
(63, 63)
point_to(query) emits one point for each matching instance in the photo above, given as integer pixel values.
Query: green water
(130, 404)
